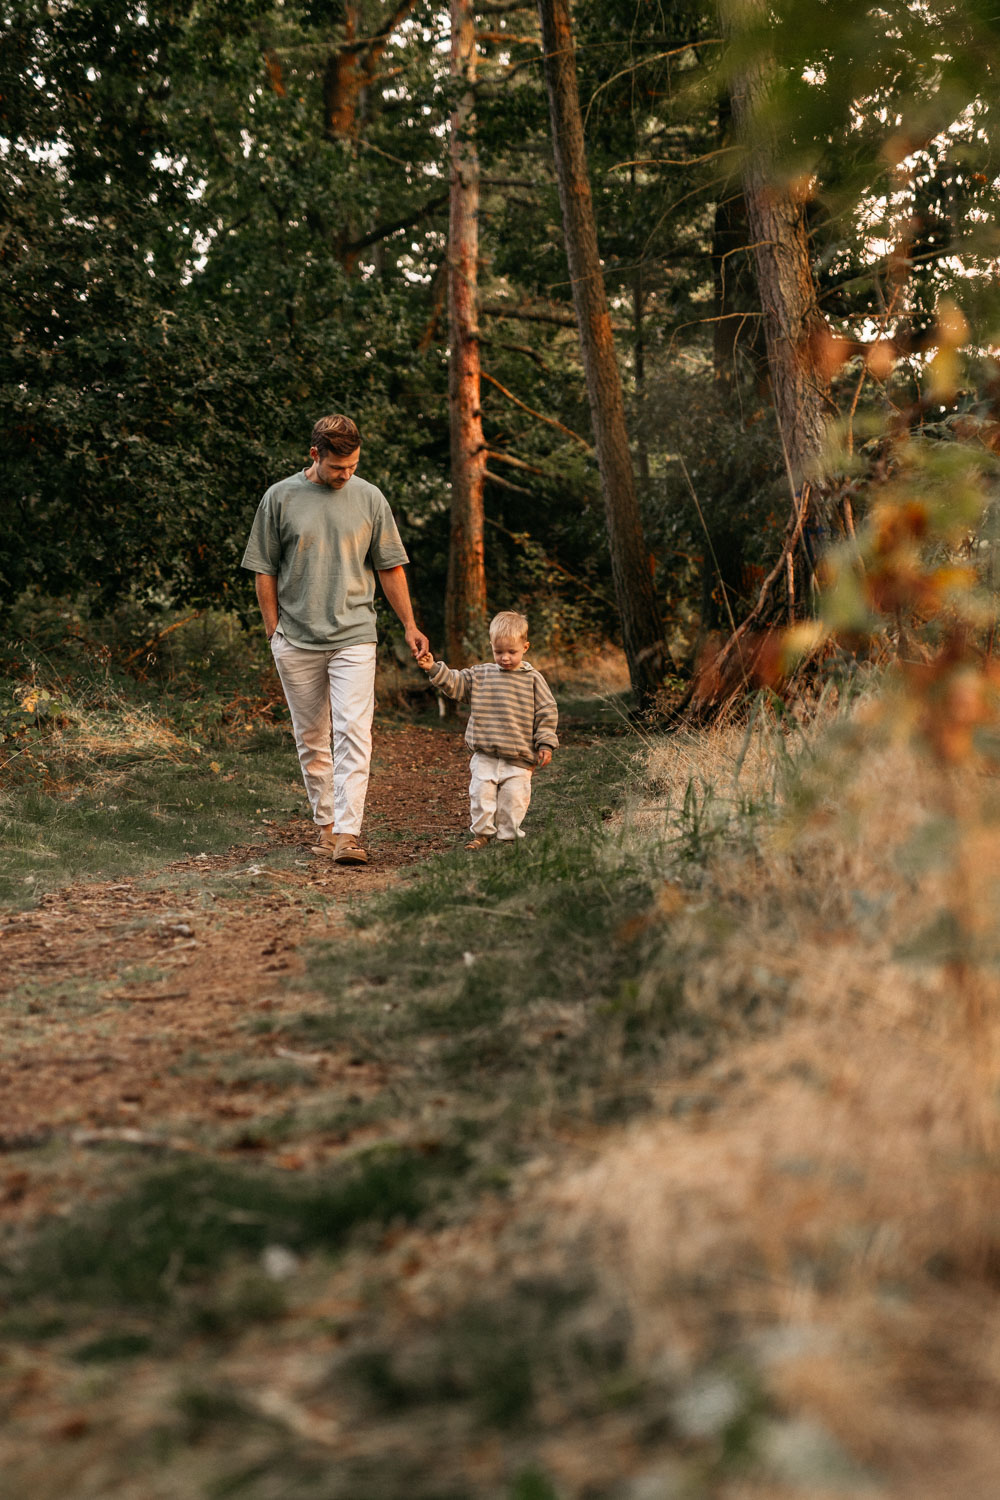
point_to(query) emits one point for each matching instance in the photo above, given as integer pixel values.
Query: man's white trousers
(331, 698)
(499, 794)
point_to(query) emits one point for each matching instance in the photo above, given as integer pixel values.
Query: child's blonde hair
(508, 625)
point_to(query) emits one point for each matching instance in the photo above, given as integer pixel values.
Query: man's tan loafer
(342, 848)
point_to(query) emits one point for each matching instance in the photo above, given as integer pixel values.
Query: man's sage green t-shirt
(324, 546)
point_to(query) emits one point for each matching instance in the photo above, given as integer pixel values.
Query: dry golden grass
(88, 738)
(830, 1187)
(597, 671)
(135, 730)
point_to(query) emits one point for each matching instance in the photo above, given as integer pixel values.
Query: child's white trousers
(499, 794)
(331, 698)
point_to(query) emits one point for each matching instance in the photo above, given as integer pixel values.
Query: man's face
(334, 469)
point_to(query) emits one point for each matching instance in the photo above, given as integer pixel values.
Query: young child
(511, 730)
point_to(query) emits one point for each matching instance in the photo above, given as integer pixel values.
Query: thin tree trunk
(630, 561)
(351, 67)
(347, 80)
(795, 332)
(639, 357)
(794, 328)
(639, 362)
(738, 332)
(341, 82)
(465, 597)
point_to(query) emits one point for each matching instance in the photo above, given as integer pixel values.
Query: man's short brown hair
(335, 435)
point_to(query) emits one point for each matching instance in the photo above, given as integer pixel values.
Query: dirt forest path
(135, 995)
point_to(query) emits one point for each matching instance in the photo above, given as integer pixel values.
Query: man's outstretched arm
(396, 590)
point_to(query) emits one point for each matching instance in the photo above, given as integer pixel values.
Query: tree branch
(550, 421)
(490, 89)
(505, 484)
(515, 463)
(643, 62)
(513, 182)
(385, 231)
(155, 640)
(562, 320)
(669, 161)
(550, 562)
(525, 349)
(370, 44)
(507, 36)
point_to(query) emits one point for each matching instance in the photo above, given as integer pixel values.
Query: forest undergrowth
(653, 1158)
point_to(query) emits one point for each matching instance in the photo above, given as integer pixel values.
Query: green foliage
(196, 264)
(147, 405)
(226, 269)
(717, 504)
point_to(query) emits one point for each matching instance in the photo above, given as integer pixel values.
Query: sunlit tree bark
(350, 68)
(465, 597)
(348, 79)
(630, 563)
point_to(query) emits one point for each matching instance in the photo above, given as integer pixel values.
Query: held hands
(417, 642)
(544, 757)
(425, 659)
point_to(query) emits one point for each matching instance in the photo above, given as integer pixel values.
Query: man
(318, 540)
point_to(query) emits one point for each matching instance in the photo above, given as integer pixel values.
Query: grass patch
(126, 743)
(112, 1346)
(495, 1356)
(536, 979)
(62, 997)
(174, 1230)
(130, 816)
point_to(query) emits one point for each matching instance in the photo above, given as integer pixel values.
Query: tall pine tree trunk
(794, 328)
(630, 563)
(795, 336)
(639, 357)
(738, 340)
(350, 71)
(465, 597)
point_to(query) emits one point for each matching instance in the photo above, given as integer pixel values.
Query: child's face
(508, 654)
